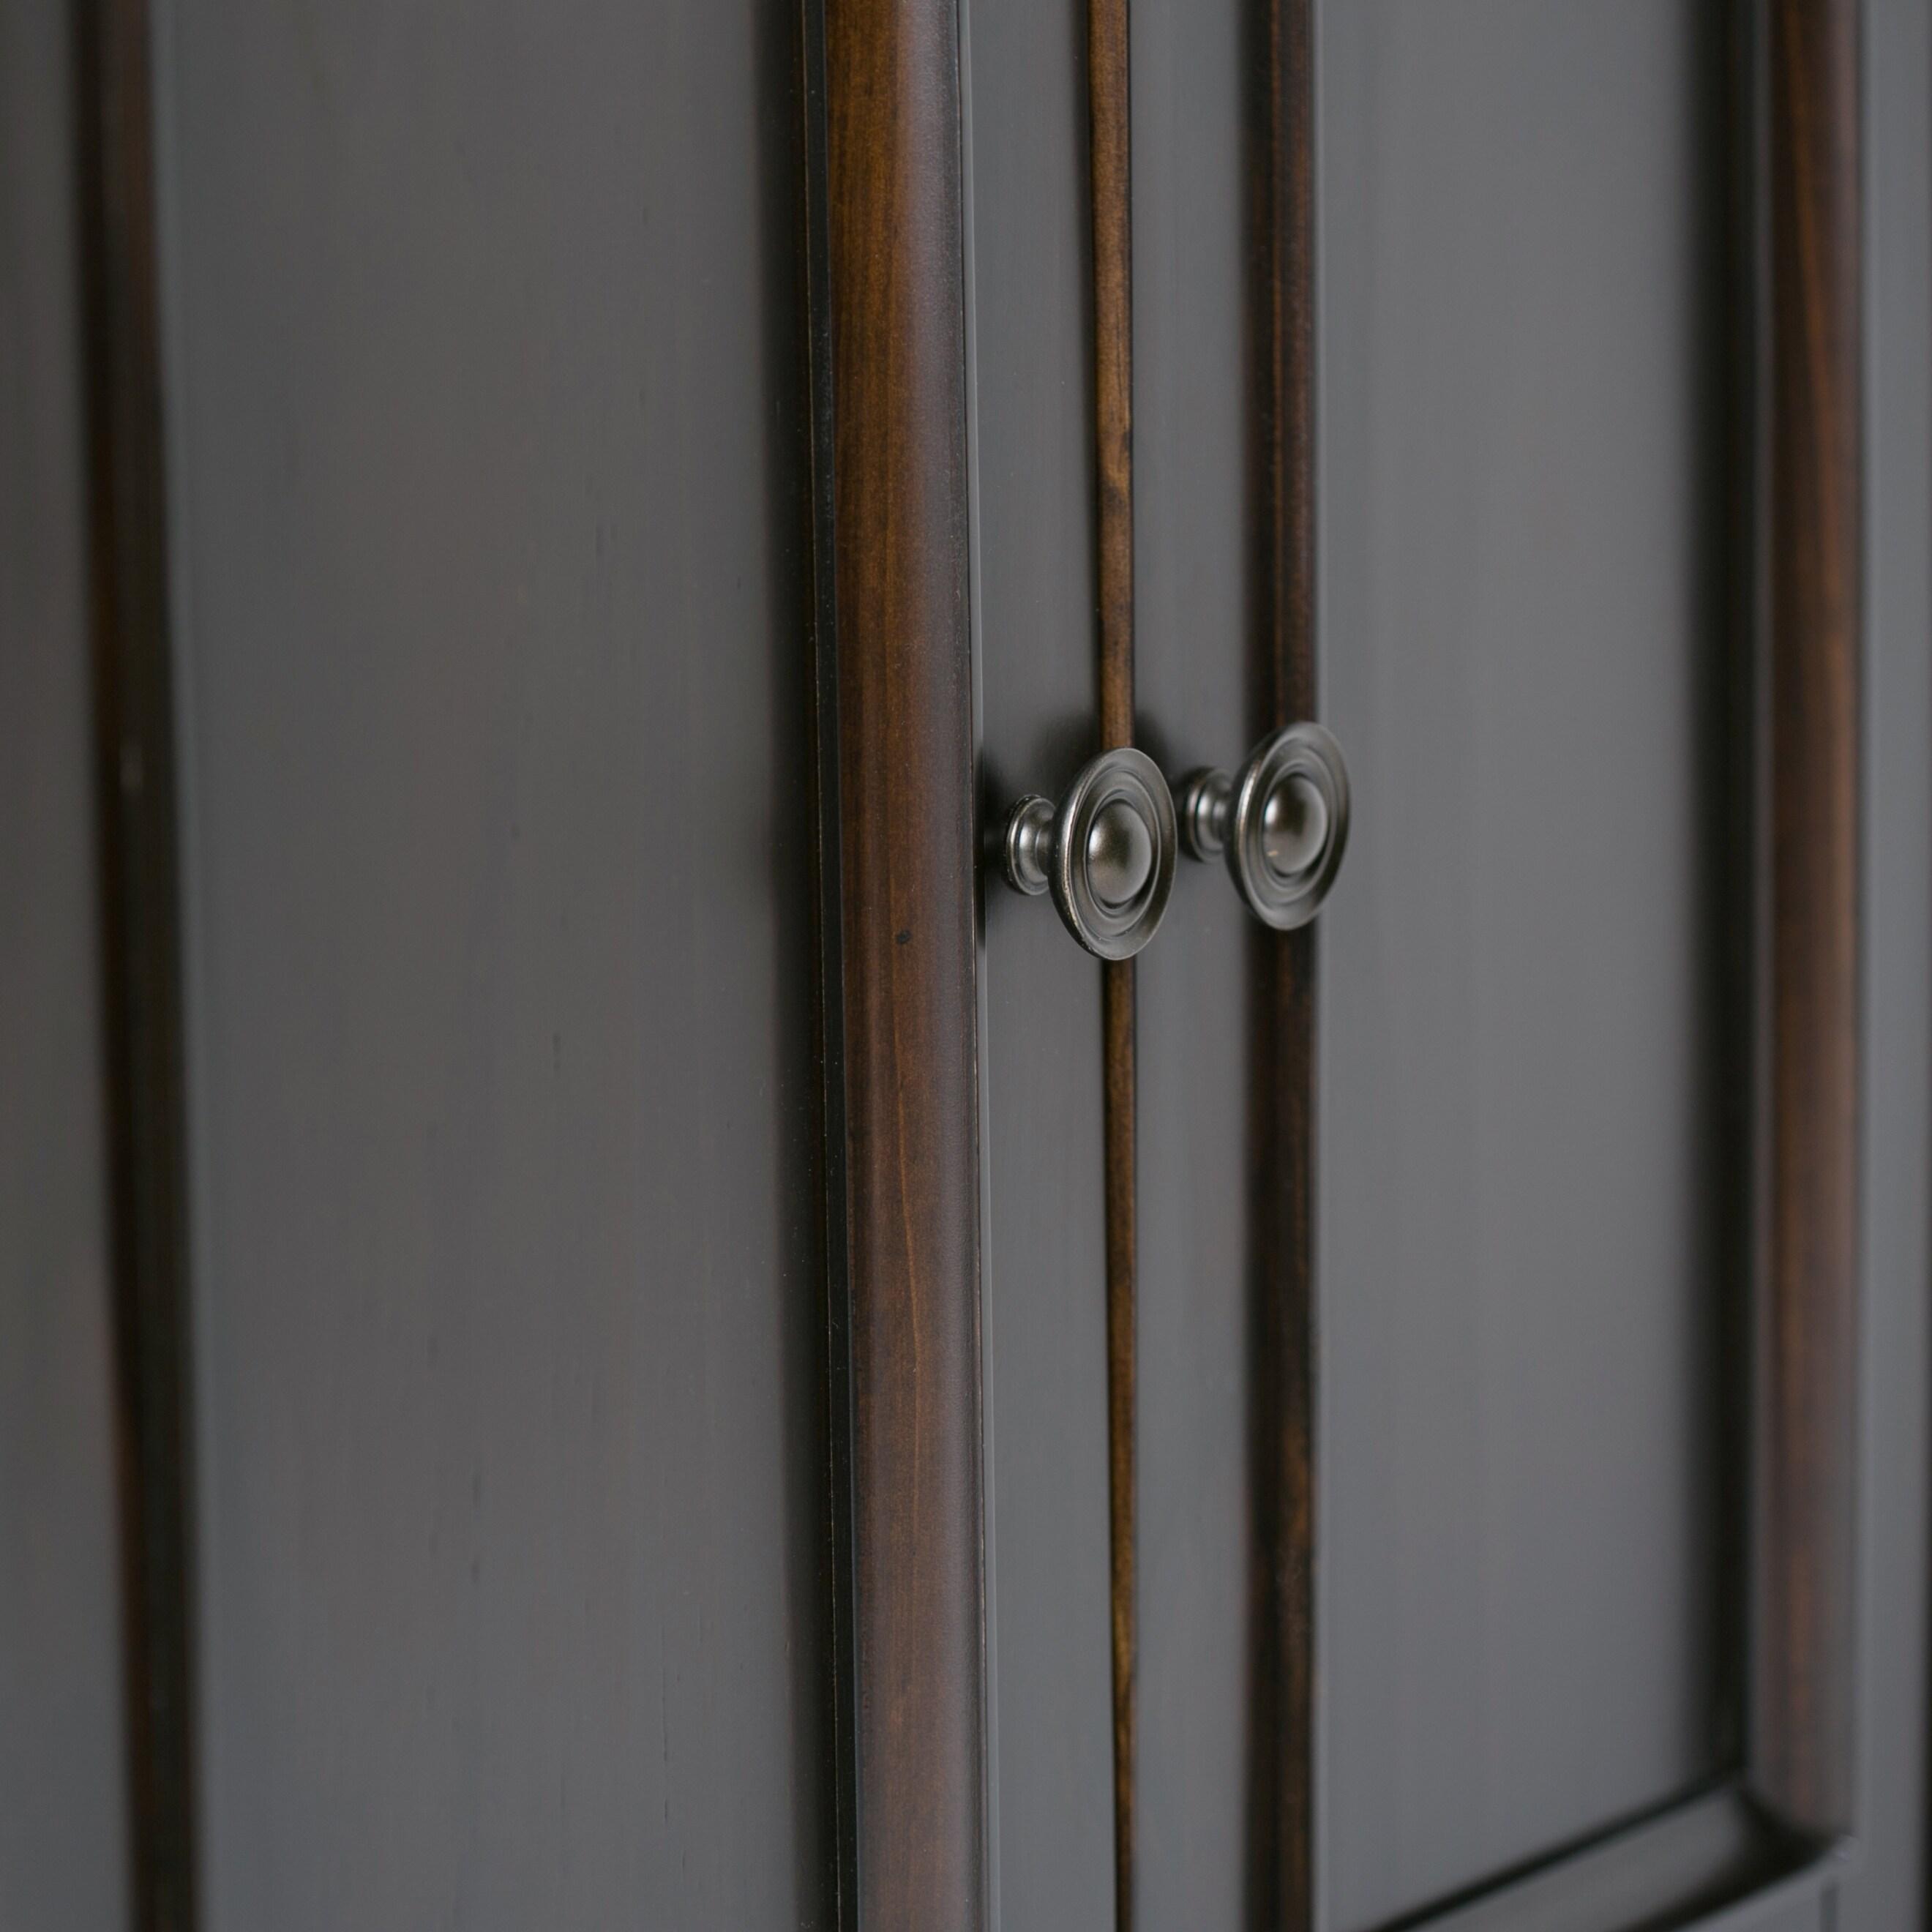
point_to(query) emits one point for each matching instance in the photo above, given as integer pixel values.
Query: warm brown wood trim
(1119, 1101)
(1111, 162)
(1280, 123)
(1107, 76)
(1802, 1741)
(906, 881)
(141, 951)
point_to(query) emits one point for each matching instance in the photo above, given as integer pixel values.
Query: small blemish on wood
(903, 938)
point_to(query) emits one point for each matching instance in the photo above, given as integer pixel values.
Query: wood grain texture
(1280, 115)
(141, 948)
(1118, 1003)
(1803, 1744)
(1107, 69)
(906, 880)
(1109, 124)
(141, 966)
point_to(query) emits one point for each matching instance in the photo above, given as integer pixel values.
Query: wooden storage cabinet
(600, 1326)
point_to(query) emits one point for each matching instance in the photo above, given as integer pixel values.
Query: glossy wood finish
(141, 950)
(1803, 1745)
(908, 879)
(1281, 112)
(1117, 1014)
(1109, 121)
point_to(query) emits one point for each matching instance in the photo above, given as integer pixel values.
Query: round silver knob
(1294, 827)
(1281, 822)
(1105, 852)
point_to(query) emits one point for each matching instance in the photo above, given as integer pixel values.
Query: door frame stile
(898, 875)
(1802, 1747)
(1279, 128)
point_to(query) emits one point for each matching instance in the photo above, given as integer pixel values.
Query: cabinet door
(1501, 1416)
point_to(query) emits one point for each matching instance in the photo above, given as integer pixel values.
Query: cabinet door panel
(1530, 1073)
(488, 443)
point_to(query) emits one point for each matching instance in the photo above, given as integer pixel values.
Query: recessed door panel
(492, 626)
(1529, 1054)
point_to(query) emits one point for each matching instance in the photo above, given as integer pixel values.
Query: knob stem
(1205, 806)
(1026, 846)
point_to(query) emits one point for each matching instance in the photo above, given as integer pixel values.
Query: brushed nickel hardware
(1281, 822)
(1105, 852)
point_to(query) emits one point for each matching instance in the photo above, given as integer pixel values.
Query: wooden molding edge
(900, 871)
(1802, 1706)
(1279, 130)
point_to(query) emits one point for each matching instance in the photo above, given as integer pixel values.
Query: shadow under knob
(1105, 852)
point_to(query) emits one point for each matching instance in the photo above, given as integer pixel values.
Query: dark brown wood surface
(908, 877)
(141, 954)
(1803, 1745)
(1280, 114)
(1108, 95)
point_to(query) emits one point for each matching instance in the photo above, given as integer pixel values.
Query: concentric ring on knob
(1289, 825)
(1113, 858)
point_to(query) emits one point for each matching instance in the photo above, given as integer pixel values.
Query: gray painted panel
(487, 443)
(1806, 1904)
(1193, 519)
(1884, 1889)
(1518, 1644)
(63, 1825)
(1045, 1284)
